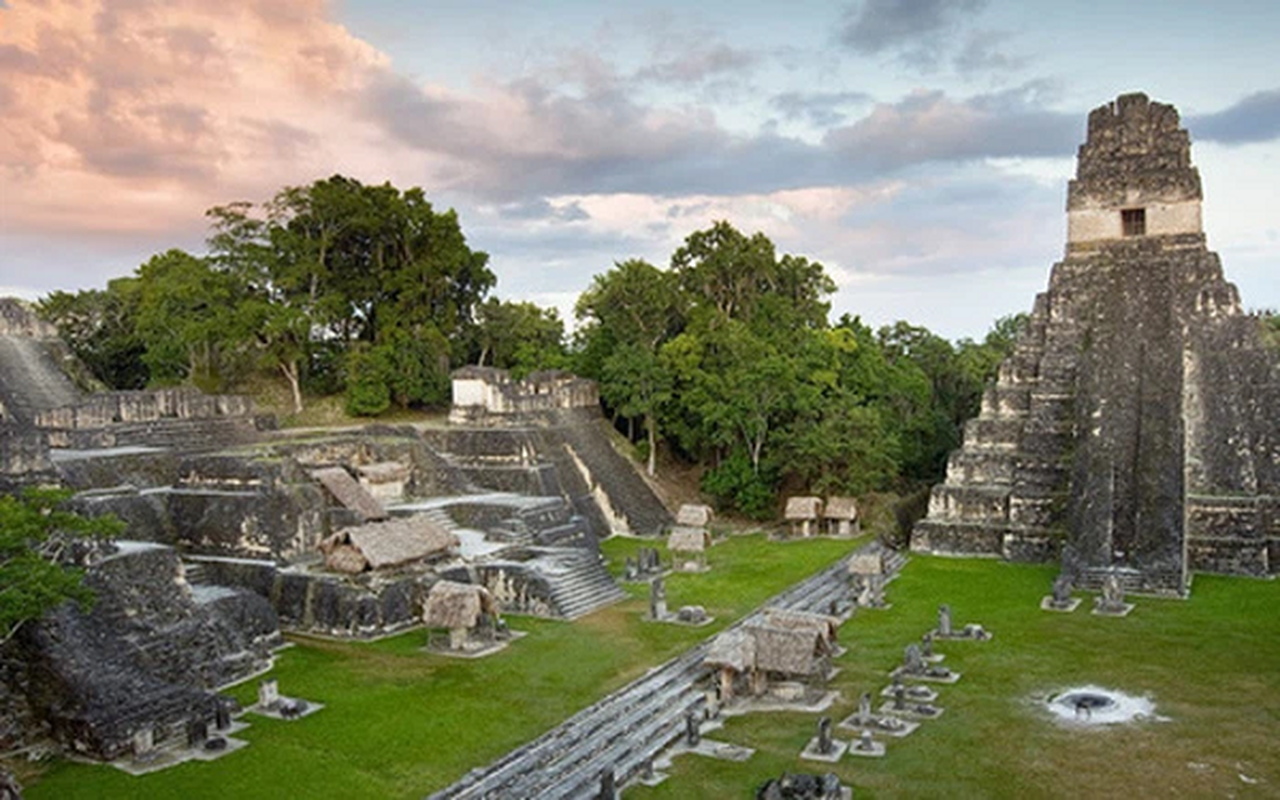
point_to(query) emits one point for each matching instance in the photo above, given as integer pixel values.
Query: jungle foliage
(726, 358)
(729, 358)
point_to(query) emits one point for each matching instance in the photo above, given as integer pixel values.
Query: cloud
(1254, 118)
(930, 127)
(982, 53)
(168, 108)
(697, 65)
(821, 109)
(542, 209)
(914, 28)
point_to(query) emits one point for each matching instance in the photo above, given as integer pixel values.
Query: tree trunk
(290, 370)
(653, 445)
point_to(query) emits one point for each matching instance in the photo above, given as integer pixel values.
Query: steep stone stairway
(625, 489)
(31, 380)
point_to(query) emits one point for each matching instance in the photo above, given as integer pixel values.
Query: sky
(918, 149)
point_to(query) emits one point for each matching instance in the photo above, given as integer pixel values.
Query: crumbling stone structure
(1133, 430)
(147, 656)
(481, 394)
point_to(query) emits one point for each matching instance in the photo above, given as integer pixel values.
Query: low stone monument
(658, 599)
(886, 724)
(914, 667)
(1111, 602)
(803, 787)
(946, 629)
(1061, 599)
(692, 731)
(866, 746)
(823, 747)
(268, 695)
(915, 692)
(692, 615)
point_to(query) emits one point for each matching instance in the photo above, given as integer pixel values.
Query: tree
(627, 315)
(520, 337)
(100, 327)
(35, 532)
(188, 318)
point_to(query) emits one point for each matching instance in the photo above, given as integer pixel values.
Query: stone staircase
(583, 586)
(616, 477)
(31, 380)
(194, 572)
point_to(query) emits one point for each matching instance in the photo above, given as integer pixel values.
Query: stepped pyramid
(1133, 430)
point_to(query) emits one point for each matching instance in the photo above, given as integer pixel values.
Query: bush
(908, 511)
(368, 393)
(734, 484)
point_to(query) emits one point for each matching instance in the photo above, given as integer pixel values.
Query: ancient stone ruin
(242, 530)
(1133, 431)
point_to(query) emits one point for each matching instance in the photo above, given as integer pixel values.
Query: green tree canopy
(35, 531)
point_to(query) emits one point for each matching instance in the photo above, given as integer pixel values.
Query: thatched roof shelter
(840, 508)
(867, 563)
(688, 540)
(802, 620)
(457, 606)
(803, 508)
(791, 651)
(734, 649)
(694, 516)
(377, 545)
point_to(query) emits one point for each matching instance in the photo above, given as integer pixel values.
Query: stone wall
(207, 504)
(24, 457)
(172, 417)
(360, 606)
(485, 395)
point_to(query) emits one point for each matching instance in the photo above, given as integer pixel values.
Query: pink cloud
(136, 116)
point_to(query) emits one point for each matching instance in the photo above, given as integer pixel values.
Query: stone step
(194, 572)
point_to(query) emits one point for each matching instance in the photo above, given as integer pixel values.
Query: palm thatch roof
(867, 563)
(350, 494)
(456, 605)
(390, 543)
(801, 508)
(841, 508)
(688, 540)
(341, 557)
(802, 620)
(694, 516)
(735, 649)
(791, 651)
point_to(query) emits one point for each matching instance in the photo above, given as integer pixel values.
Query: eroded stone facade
(1132, 431)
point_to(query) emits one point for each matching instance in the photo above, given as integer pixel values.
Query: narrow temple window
(1133, 221)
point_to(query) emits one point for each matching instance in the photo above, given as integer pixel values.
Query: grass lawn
(398, 722)
(1211, 665)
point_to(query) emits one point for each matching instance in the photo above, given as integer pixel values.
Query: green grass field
(1211, 664)
(401, 723)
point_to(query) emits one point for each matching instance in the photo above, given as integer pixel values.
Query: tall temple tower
(1133, 431)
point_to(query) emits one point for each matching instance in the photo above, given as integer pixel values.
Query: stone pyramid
(1133, 431)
